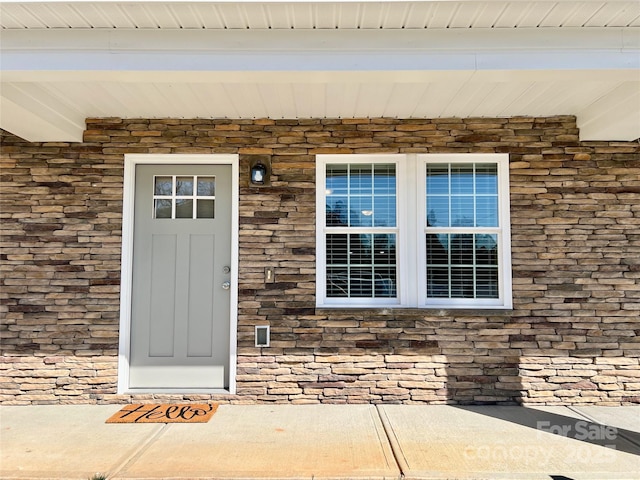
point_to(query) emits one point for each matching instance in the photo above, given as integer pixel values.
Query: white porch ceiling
(64, 61)
(320, 14)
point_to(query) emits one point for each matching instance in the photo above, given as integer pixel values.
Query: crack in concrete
(401, 461)
(137, 452)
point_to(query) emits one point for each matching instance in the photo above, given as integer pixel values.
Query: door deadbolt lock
(226, 269)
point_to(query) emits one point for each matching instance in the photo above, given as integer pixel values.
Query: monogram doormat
(165, 413)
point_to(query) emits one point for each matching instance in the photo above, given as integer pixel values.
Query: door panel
(162, 301)
(182, 244)
(200, 340)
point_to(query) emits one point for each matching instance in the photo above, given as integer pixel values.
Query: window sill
(426, 312)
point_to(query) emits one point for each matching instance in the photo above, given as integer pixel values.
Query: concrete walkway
(326, 442)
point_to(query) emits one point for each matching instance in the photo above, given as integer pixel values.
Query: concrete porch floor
(326, 442)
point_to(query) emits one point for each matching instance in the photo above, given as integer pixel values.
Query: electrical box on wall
(269, 275)
(263, 335)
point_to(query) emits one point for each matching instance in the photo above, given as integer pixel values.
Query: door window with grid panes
(413, 231)
(179, 196)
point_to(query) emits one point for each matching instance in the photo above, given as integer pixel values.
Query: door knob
(226, 285)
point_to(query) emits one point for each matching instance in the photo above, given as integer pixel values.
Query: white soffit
(302, 14)
(65, 61)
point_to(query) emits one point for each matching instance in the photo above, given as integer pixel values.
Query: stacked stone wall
(571, 338)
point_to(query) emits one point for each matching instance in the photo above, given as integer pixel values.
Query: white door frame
(126, 283)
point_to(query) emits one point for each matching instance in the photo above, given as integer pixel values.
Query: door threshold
(177, 391)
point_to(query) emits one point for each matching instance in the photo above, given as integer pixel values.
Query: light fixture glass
(258, 174)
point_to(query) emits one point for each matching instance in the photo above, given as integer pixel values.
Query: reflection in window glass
(487, 211)
(486, 179)
(438, 179)
(163, 186)
(162, 208)
(337, 179)
(184, 186)
(206, 186)
(338, 282)
(184, 208)
(438, 211)
(361, 180)
(337, 210)
(461, 179)
(462, 211)
(361, 211)
(205, 208)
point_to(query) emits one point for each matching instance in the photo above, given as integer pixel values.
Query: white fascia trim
(320, 50)
(317, 77)
(126, 272)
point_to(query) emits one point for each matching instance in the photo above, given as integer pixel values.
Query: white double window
(427, 231)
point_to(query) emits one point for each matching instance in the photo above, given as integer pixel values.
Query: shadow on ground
(619, 439)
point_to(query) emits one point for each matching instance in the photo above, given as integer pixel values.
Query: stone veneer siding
(572, 337)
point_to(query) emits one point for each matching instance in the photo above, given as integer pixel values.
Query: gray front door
(180, 293)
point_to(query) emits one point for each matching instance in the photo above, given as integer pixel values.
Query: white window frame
(321, 230)
(411, 238)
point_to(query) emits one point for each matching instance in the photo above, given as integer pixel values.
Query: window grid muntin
(433, 269)
(365, 262)
(354, 193)
(474, 231)
(335, 226)
(174, 197)
(452, 196)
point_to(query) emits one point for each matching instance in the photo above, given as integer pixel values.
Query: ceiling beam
(320, 50)
(615, 116)
(38, 118)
